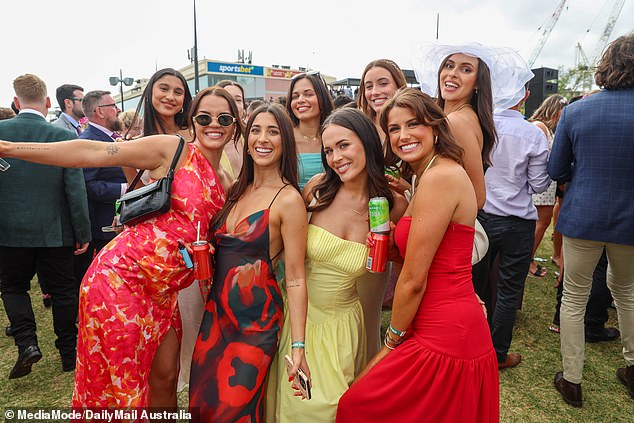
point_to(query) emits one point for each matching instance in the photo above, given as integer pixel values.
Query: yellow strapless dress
(335, 332)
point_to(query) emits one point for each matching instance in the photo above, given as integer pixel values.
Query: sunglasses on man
(223, 119)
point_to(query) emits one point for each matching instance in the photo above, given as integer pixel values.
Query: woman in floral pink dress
(128, 296)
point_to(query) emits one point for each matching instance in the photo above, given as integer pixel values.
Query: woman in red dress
(438, 362)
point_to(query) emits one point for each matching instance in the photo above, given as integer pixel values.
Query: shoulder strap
(278, 193)
(170, 173)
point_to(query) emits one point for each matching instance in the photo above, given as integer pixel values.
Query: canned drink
(392, 171)
(202, 260)
(377, 256)
(379, 209)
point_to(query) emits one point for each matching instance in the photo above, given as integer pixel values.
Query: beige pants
(580, 259)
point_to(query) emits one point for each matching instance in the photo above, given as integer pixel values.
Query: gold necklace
(363, 213)
(309, 139)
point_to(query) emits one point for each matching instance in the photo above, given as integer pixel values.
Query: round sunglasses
(224, 119)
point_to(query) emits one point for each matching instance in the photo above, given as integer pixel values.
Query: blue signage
(241, 69)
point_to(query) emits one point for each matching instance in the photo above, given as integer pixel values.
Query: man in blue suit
(104, 185)
(593, 149)
(43, 222)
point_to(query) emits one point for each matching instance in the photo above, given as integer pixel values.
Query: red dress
(446, 370)
(128, 296)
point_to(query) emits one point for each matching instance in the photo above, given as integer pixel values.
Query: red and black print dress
(240, 330)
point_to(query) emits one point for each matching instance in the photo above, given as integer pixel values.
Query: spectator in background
(518, 169)
(6, 113)
(69, 98)
(545, 118)
(232, 158)
(309, 106)
(104, 185)
(132, 125)
(342, 100)
(43, 222)
(253, 106)
(593, 149)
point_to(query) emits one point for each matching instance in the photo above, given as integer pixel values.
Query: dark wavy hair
(397, 76)
(356, 121)
(220, 92)
(288, 164)
(482, 103)
(615, 70)
(151, 122)
(429, 114)
(323, 96)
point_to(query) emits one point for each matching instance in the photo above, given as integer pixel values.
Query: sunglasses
(224, 119)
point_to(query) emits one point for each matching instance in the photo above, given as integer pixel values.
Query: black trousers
(82, 262)
(511, 246)
(55, 265)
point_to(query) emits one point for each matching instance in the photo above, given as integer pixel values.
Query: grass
(526, 392)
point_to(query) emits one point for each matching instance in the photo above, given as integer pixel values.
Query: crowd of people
(288, 326)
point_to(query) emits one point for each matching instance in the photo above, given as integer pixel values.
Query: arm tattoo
(33, 147)
(112, 150)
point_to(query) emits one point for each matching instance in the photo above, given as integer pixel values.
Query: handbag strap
(170, 172)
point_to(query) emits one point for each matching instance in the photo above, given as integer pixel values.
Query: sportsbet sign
(233, 68)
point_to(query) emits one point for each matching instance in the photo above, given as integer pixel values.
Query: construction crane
(607, 31)
(546, 32)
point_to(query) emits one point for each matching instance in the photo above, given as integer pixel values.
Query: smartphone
(4, 165)
(304, 382)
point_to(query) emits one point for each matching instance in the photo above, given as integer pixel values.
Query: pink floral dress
(128, 296)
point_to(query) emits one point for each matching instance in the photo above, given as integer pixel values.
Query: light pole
(114, 80)
(196, 82)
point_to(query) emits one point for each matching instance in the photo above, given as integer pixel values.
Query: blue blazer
(103, 186)
(594, 149)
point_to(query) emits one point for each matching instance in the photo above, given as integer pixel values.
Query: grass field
(526, 392)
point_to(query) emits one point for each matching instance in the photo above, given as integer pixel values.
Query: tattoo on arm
(33, 147)
(112, 149)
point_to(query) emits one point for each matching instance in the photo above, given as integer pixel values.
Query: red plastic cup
(377, 256)
(202, 260)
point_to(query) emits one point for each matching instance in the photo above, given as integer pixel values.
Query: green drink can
(379, 209)
(392, 171)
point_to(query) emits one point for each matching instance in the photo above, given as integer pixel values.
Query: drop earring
(436, 139)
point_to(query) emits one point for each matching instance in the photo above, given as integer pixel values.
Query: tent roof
(410, 78)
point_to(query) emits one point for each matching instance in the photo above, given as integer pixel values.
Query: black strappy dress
(241, 326)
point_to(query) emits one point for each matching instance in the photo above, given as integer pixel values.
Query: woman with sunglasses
(438, 363)
(128, 296)
(310, 103)
(259, 239)
(336, 255)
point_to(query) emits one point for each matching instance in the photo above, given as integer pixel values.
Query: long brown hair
(357, 122)
(288, 164)
(397, 76)
(429, 114)
(482, 103)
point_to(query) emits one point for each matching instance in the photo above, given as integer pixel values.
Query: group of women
(290, 245)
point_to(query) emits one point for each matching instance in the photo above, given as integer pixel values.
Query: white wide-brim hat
(509, 71)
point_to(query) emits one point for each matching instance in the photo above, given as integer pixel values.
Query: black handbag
(151, 200)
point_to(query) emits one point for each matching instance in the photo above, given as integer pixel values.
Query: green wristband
(397, 332)
(298, 344)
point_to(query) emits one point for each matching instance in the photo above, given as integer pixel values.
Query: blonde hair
(29, 88)
(549, 111)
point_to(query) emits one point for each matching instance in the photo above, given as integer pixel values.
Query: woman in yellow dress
(336, 255)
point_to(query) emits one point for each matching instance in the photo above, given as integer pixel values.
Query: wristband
(298, 344)
(397, 332)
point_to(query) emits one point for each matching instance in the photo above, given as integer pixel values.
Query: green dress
(335, 332)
